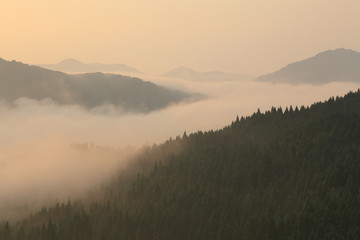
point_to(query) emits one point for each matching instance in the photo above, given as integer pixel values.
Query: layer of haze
(38, 165)
(251, 37)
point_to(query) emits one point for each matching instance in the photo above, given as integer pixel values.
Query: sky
(250, 37)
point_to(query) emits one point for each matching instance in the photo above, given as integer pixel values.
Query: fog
(39, 164)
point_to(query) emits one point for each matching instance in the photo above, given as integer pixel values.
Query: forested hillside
(289, 173)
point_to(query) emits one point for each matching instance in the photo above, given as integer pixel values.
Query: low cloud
(38, 163)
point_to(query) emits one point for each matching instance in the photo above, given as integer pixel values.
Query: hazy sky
(246, 36)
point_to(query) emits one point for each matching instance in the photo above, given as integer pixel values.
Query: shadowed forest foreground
(289, 173)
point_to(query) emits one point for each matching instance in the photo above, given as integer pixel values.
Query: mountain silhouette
(75, 66)
(88, 90)
(190, 74)
(339, 65)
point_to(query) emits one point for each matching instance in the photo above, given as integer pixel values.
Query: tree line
(290, 173)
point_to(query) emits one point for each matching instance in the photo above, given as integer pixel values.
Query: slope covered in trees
(282, 174)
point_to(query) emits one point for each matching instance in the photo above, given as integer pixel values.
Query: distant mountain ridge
(88, 90)
(74, 66)
(190, 74)
(339, 65)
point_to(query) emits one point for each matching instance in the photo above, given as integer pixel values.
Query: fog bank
(38, 163)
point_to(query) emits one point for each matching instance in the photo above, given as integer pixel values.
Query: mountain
(190, 74)
(88, 90)
(74, 66)
(340, 65)
(282, 174)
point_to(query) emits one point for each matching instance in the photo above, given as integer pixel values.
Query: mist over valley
(41, 120)
(179, 120)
